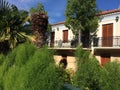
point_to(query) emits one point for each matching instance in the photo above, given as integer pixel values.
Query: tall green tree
(89, 74)
(81, 15)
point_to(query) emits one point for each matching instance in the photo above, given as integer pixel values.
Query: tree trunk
(39, 26)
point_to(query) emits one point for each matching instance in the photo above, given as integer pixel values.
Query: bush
(91, 76)
(29, 68)
(89, 71)
(112, 77)
(2, 57)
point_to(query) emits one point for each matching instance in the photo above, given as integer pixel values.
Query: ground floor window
(105, 59)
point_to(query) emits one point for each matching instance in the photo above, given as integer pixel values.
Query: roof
(58, 23)
(101, 13)
(109, 11)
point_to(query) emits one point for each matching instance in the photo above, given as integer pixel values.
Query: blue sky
(56, 8)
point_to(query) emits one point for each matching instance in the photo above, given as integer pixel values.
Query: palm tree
(4, 6)
(39, 21)
(12, 22)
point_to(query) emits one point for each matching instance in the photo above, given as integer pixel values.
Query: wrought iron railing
(64, 44)
(69, 44)
(113, 41)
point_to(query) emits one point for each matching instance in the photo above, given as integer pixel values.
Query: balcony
(68, 47)
(113, 41)
(69, 44)
(64, 44)
(106, 45)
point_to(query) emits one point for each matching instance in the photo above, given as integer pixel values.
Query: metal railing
(64, 44)
(69, 44)
(113, 41)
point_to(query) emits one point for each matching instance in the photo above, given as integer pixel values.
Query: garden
(26, 63)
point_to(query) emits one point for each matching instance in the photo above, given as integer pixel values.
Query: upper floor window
(107, 35)
(65, 35)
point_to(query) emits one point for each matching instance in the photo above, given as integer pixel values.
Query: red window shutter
(104, 60)
(104, 35)
(65, 36)
(107, 34)
(110, 30)
(110, 34)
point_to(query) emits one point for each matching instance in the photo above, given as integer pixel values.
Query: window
(105, 59)
(107, 35)
(65, 35)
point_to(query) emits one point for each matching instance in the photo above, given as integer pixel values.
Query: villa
(104, 43)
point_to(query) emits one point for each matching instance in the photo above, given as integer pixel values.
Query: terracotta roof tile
(109, 12)
(58, 23)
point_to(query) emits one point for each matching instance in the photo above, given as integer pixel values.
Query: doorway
(107, 35)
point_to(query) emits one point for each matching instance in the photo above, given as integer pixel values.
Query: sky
(56, 8)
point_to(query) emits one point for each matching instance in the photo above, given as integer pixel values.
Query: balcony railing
(64, 44)
(69, 44)
(113, 41)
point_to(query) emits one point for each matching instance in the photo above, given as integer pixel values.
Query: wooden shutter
(104, 60)
(110, 35)
(104, 35)
(65, 36)
(107, 35)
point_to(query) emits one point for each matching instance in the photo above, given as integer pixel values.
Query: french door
(107, 35)
(65, 35)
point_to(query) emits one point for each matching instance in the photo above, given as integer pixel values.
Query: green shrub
(112, 77)
(91, 76)
(29, 68)
(88, 74)
(39, 73)
(2, 57)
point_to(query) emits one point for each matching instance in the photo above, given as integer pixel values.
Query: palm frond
(4, 5)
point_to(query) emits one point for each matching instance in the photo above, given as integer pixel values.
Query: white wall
(110, 18)
(107, 19)
(58, 29)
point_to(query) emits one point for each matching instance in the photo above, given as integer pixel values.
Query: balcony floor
(67, 51)
(111, 50)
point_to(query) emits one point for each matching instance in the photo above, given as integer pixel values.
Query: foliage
(29, 68)
(112, 77)
(3, 5)
(39, 20)
(81, 15)
(12, 22)
(88, 73)
(91, 76)
(39, 8)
